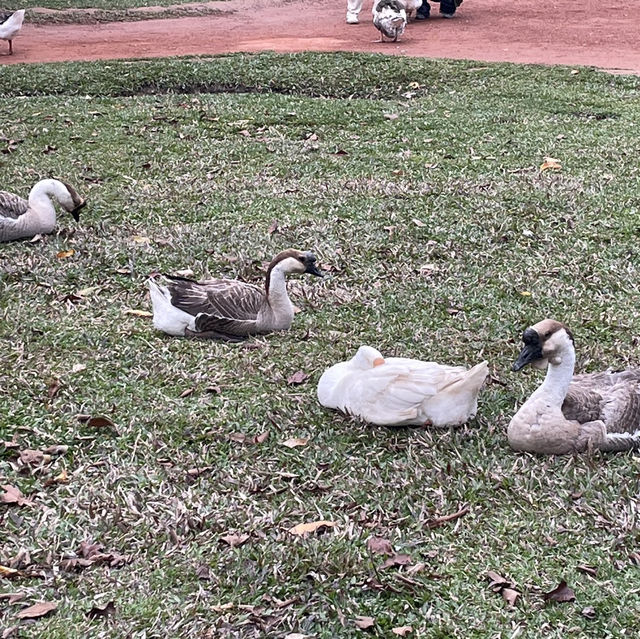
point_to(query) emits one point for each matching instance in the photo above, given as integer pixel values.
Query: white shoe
(352, 18)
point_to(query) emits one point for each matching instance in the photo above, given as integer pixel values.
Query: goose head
(71, 201)
(293, 261)
(367, 358)
(544, 343)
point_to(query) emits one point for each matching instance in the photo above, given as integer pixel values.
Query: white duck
(411, 6)
(229, 309)
(20, 218)
(396, 391)
(390, 18)
(10, 27)
(570, 413)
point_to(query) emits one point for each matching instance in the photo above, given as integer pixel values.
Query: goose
(229, 310)
(390, 18)
(10, 26)
(573, 413)
(411, 6)
(20, 218)
(396, 391)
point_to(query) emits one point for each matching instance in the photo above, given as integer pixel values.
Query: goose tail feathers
(166, 317)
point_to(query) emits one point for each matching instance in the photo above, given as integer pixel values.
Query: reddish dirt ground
(573, 32)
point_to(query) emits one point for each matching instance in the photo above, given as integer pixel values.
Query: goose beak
(378, 361)
(312, 268)
(530, 353)
(76, 212)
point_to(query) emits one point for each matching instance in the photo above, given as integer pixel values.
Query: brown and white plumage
(410, 7)
(397, 391)
(570, 413)
(20, 218)
(10, 27)
(229, 309)
(390, 18)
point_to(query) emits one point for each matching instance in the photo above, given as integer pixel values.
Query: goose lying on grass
(570, 413)
(229, 309)
(390, 18)
(20, 218)
(10, 27)
(396, 391)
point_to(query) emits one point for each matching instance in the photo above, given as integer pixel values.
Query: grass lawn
(418, 185)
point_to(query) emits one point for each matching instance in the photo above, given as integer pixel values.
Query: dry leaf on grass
(587, 570)
(12, 495)
(500, 584)
(63, 255)
(402, 631)
(12, 597)
(299, 377)
(391, 116)
(98, 421)
(187, 392)
(589, 612)
(235, 540)
(137, 312)
(445, 519)
(241, 438)
(31, 457)
(510, 596)
(295, 442)
(560, 594)
(141, 239)
(53, 388)
(302, 530)
(379, 546)
(397, 560)
(364, 623)
(7, 572)
(295, 635)
(550, 163)
(273, 228)
(37, 610)
(102, 610)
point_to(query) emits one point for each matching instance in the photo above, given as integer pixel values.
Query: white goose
(20, 218)
(390, 18)
(229, 309)
(10, 27)
(396, 391)
(570, 413)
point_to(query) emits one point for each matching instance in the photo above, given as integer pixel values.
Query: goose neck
(559, 376)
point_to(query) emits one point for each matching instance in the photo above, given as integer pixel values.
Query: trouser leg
(354, 7)
(449, 6)
(423, 11)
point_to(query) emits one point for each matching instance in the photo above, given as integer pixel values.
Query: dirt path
(573, 32)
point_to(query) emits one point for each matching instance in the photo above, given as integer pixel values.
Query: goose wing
(393, 392)
(12, 206)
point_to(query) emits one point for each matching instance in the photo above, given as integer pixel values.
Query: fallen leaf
(418, 223)
(497, 581)
(185, 272)
(296, 441)
(99, 422)
(379, 546)
(78, 368)
(295, 635)
(397, 560)
(235, 540)
(12, 597)
(297, 378)
(63, 255)
(62, 478)
(53, 388)
(390, 116)
(187, 392)
(12, 495)
(402, 631)
(587, 570)
(37, 610)
(87, 291)
(102, 610)
(36, 238)
(302, 530)
(510, 595)
(550, 163)
(137, 312)
(273, 228)
(203, 572)
(364, 622)
(589, 612)
(241, 438)
(31, 457)
(560, 594)
(635, 558)
(56, 449)
(6, 571)
(440, 521)
(141, 239)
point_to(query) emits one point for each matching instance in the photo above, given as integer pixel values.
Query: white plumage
(10, 28)
(390, 18)
(399, 391)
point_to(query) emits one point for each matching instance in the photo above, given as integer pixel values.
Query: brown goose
(20, 218)
(229, 309)
(570, 413)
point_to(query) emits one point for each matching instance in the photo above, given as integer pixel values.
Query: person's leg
(423, 12)
(448, 7)
(353, 9)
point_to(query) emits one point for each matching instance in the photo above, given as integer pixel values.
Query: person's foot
(352, 18)
(421, 16)
(447, 15)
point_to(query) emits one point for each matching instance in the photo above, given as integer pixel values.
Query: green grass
(99, 5)
(443, 207)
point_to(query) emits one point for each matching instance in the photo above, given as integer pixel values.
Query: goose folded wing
(12, 206)
(621, 409)
(225, 299)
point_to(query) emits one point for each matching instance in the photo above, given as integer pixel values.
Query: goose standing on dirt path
(20, 218)
(10, 27)
(229, 309)
(390, 18)
(570, 413)
(396, 391)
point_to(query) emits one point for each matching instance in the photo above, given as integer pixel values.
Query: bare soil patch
(560, 32)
